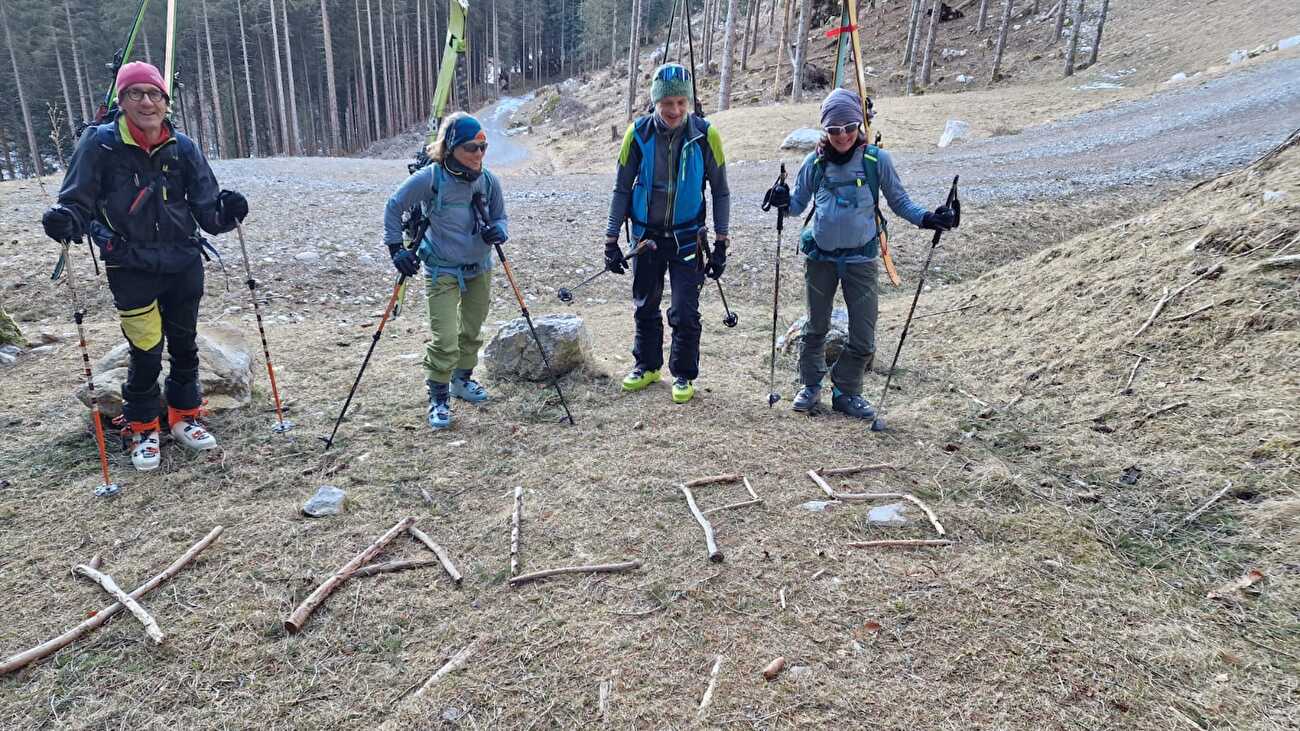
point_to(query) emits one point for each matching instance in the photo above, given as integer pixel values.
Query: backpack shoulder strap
(871, 169)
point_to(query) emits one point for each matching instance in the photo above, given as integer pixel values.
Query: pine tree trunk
(782, 49)
(706, 31)
(37, 166)
(248, 83)
(286, 147)
(6, 169)
(728, 53)
(76, 66)
(1075, 32)
(234, 103)
(1060, 20)
(613, 39)
(983, 15)
(217, 116)
(421, 61)
(632, 58)
(295, 129)
(800, 51)
(929, 42)
(63, 83)
(275, 145)
(912, 25)
(913, 39)
(389, 122)
(1096, 40)
(363, 118)
(750, 14)
(374, 76)
(333, 101)
(496, 48)
(1002, 41)
(200, 114)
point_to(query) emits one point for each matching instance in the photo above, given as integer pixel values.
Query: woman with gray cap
(844, 178)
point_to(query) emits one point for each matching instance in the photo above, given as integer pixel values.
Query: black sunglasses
(475, 147)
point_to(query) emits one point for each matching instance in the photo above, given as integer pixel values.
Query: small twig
(715, 479)
(604, 568)
(1206, 505)
(1169, 296)
(1270, 648)
(971, 396)
(744, 504)
(605, 687)
(514, 531)
(107, 584)
(816, 576)
(750, 488)
(390, 566)
(426, 497)
(900, 543)
(845, 471)
(1248, 252)
(457, 662)
(781, 596)
(826, 488)
(708, 692)
(1201, 309)
(1279, 261)
(715, 555)
(1132, 374)
(1162, 410)
(944, 312)
(438, 551)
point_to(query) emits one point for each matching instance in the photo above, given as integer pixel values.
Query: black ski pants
(685, 278)
(153, 308)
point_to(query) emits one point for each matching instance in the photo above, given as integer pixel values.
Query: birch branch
(603, 568)
(299, 616)
(743, 504)
(715, 555)
(708, 692)
(447, 565)
(514, 531)
(107, 584)
(97, 619)
(456, 662)
(901, 543)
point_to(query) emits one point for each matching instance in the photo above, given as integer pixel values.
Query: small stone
(1176, 78)
(1290, 42)
(817, 506)
(1238, 56)
(953, 131)
(6, 359)
(800, 671)
(457, 443)
(1273, 196)
(328, 500)
(307, 256)
(889, 515)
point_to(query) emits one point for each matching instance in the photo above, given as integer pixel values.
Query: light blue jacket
(453, 244)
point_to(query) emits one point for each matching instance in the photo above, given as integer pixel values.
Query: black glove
(717, 262)
(777, 197)
(495, 235)
(231, 207)
(61, 224)
(614, 261)
(943, 219)
(404, 260)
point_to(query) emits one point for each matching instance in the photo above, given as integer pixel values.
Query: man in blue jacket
(142, 190)
(665, 162)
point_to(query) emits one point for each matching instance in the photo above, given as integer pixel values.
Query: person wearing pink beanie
(142, 191)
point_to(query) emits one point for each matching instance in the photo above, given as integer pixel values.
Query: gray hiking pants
(862, 299)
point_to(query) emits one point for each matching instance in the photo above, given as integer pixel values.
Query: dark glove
(404, 260)
(717, 262)
(495, 235)
(943, 219)
(777, 197)
(231, 207)
(614, 261)
(61, 224)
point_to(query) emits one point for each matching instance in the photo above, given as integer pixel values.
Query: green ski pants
(456, 321)
(861, 296)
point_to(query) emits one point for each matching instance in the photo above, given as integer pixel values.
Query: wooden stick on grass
(514, 531)
(447, 565)
(107, 584)
(743, 504)
(299, 616)
(846, 471)
(1169, 297)
(714, 480)
(708, 692)
(604, 568)
(1128, 385)
(715, 555)
(900, 543)
(456, 662)
(97, 619)
(391, 566)
(1207, 504)
(750, 488)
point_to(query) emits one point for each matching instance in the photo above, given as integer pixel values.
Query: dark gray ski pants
(862, 298)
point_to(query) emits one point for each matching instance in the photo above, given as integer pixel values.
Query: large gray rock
(802, 139)
(836, 338)
(328, 500)
(512, 353)
(225, 372)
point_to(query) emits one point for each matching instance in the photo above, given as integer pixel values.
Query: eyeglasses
(136, 95)
(474, 148)
(840, 129)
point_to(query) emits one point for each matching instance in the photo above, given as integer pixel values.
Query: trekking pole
(772, 395)
(108, 488)
(481, 209)
(374, 339)
(566, 294)
(706, 255)
(878, 424)
(281, 426)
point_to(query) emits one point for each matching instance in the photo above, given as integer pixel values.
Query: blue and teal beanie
(465, 129)
(671, 79)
